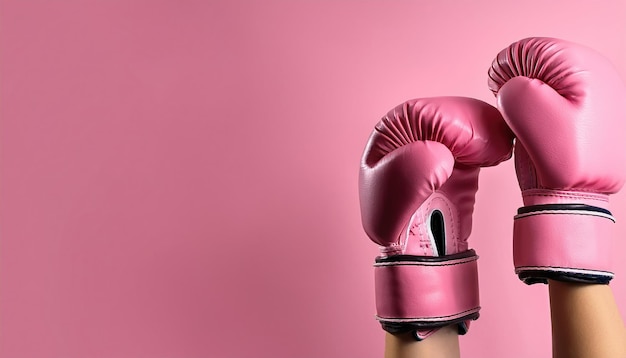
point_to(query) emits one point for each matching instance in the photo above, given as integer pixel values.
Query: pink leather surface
(424, 292)
(548, 196)
(411, 154)
(563, 101)
(425, 155)
(560, 242)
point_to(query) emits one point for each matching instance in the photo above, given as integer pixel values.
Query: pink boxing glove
(566, 105)
(418, 179)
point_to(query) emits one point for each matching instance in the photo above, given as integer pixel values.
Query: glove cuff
(565, 242)
(534, 197)
(424, 292)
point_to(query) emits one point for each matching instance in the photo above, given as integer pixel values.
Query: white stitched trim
(426, 263)
(405, 242)
(561, 269)
(566, 212)
(430, 319)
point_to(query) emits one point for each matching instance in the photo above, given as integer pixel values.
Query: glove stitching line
(460, 314)
(564, 212)
(416, 263)
(598, 196)
(555, 268)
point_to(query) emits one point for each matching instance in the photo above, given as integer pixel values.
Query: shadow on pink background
(179, 178)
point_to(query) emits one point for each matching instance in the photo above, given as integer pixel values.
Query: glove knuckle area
(472, 130)
(574, 71)
(547, 59)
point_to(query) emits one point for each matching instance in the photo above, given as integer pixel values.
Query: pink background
(179, 178)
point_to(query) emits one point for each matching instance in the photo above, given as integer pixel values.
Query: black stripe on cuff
(561, 207)
(414, 258)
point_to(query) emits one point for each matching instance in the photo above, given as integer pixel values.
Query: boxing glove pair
(558, 107)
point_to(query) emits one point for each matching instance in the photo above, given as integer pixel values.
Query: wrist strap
(567, 242)
(427, 291)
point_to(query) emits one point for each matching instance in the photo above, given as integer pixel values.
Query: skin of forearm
(585, 321)
(442, 344)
